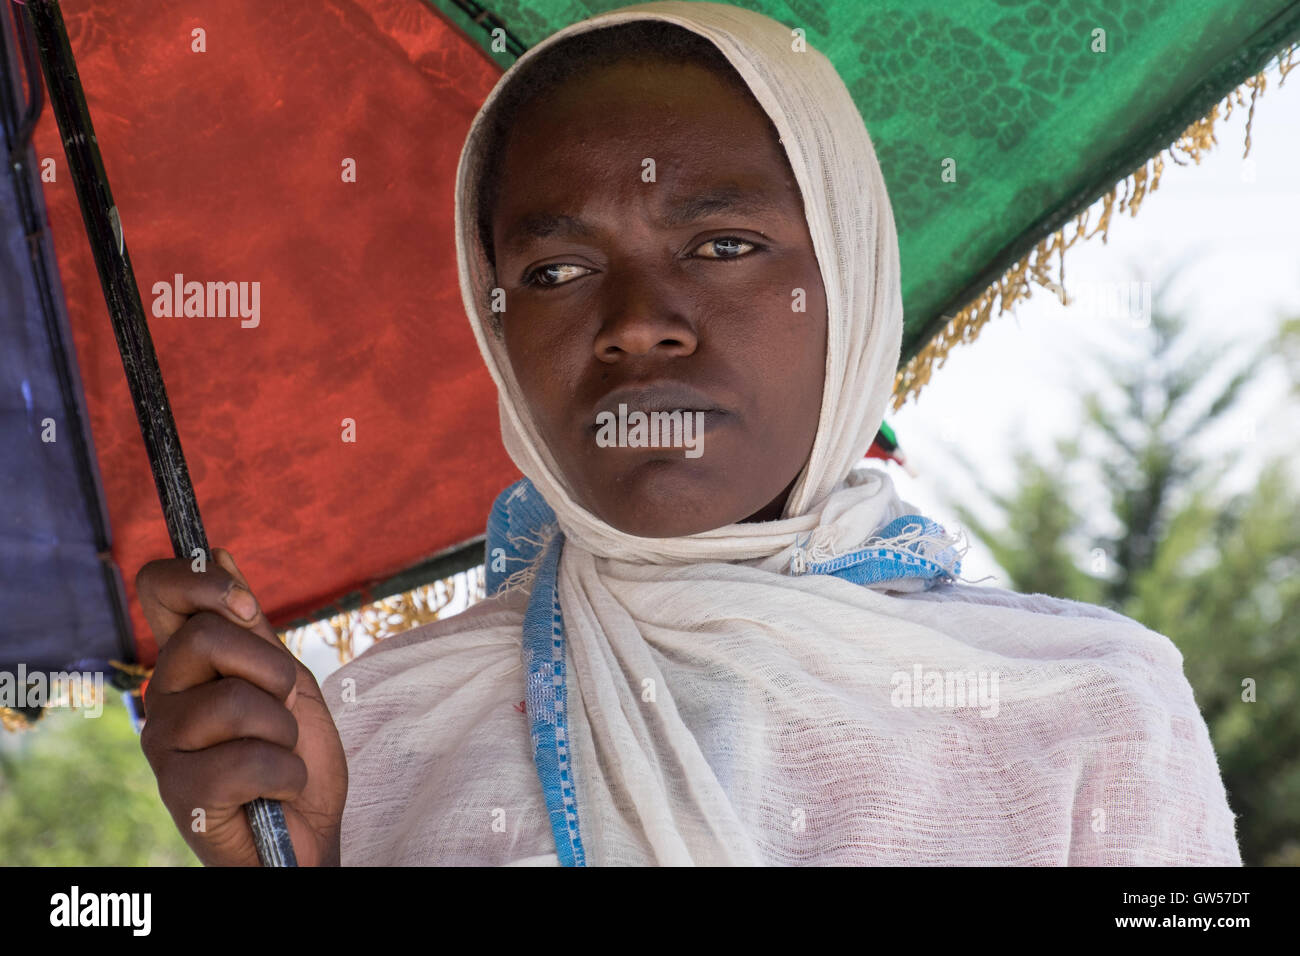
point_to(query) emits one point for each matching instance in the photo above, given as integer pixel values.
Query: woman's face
(652, 247)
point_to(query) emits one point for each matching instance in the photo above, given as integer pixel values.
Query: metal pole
(116, 278)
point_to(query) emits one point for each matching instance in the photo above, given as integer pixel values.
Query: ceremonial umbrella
(282, 178)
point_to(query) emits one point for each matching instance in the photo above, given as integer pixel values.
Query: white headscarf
(724, 711)
(852, 228)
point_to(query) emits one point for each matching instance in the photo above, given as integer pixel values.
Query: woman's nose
(642, 316)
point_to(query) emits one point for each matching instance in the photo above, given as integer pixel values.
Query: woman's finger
(224, 710)
(171, 591)
(231, 774)
(207, 647)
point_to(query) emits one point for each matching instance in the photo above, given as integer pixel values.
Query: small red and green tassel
(886, 446)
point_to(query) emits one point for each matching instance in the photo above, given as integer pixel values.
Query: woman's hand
(233, 715)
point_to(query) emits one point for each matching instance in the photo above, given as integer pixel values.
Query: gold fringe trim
(13, 720)
(1014, 285)
(389, 616)
(378, 620)
(137, 672)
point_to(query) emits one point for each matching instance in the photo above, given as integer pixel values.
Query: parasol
(282, 174)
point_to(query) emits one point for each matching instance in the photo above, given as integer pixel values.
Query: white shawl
(725, 711)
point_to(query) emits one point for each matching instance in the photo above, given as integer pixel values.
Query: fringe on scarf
(1014, 286)
(522, 580)
(932, 546)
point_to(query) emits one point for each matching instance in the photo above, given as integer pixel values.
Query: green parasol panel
(1036, 108)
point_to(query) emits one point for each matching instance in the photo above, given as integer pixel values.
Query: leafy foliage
(1219, 575)
(77, 791)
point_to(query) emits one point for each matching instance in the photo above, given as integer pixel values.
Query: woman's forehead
(641, 85)
(713, 145)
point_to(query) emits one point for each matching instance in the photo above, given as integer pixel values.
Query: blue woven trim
(877, 564)
(545, 700)
(518, 515)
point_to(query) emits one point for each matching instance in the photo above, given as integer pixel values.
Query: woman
(754, 654)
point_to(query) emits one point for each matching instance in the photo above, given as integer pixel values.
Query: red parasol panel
(229, 165)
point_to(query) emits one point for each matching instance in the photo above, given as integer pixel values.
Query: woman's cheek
(787, 321)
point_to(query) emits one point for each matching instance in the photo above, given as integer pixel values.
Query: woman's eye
(725, 247)
(554, 275)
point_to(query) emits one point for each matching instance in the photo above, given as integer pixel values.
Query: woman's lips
(654, 417)
(712, 416)
(667, 396)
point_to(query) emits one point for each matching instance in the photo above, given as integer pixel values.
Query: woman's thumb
(224, 558)
(262, 625)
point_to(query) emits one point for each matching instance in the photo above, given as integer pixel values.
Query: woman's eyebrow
(680, 212)
(730, 199)
(544, 225)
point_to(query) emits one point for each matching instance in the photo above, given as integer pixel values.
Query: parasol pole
(116, 278)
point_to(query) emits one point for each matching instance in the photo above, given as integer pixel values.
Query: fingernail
(242, 603)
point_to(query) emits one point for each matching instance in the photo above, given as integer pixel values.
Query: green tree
(77, 791)
(1225, 587)
(1040, 522)
(1218, 574)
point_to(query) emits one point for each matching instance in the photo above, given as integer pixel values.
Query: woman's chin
(667, 496)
